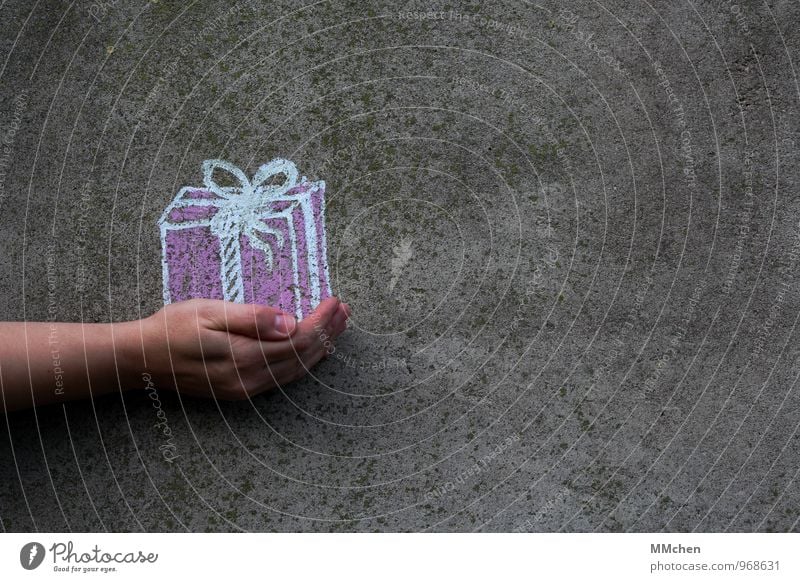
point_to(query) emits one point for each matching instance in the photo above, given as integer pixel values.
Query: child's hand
(231, 351)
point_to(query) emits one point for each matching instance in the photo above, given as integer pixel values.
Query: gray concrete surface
(591, 217)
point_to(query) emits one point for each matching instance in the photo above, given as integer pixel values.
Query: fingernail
(285, 323)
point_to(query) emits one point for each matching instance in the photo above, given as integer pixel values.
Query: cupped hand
(231, 351)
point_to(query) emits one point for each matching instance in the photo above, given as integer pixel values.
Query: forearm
(42, 363)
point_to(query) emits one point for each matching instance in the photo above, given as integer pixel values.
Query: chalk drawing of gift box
(252, 242)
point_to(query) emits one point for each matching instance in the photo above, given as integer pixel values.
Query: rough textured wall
(569, 235)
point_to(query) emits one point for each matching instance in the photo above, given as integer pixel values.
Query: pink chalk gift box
(253, 242)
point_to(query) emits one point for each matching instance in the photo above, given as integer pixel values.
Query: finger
(339, 321)
(281, 373)
(311, 359)
(316, 328)
(291, 370)
(289, 349)
(262, 379)
(277, 351)
(337, 325)
(278, 374)
(322, 315)
(310, 335)
(257, 321)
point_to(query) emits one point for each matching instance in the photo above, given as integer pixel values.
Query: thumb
(257, 321)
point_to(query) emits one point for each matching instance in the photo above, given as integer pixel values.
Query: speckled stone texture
(569, 236)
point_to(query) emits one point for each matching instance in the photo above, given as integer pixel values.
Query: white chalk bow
(241, 210)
